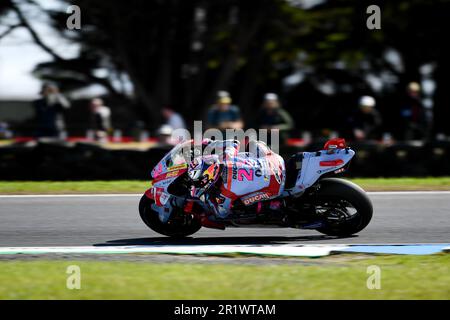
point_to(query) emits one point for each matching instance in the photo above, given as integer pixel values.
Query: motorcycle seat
(293, 168)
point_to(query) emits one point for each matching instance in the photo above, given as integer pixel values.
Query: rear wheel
(344, 205)
(173, 228)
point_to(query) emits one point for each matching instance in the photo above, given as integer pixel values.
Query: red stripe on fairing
(331, 163)
(273, 188)
(157, 196)
(168, 175)
(227, 193)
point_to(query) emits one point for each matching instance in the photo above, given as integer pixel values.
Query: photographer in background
(366, 121)
(272, 116)
(49, 112)
(224, 115)
(100, 119)
(412, 113)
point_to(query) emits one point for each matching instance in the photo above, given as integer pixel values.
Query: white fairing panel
(315, 164)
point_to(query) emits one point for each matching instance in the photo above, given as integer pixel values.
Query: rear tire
(170, 229)
(334, 190)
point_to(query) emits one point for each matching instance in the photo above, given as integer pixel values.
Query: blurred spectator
(412, 113)
(174, 122)
(5, 133)
(366, 122)
(49, 111)
(164, 135)
(224, 115)
(222, 93)
(100, 119)
(273, 117)
(173, 119)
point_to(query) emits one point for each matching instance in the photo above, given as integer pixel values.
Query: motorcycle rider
(223, 176)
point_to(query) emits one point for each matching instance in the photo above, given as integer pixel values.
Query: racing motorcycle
(311, 196)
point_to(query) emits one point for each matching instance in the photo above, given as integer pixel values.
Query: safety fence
(87, 161)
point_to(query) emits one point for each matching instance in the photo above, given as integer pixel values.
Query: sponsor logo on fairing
(255, 198)
(234, 170)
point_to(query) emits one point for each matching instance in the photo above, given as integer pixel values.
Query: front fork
(203, 212)
(192, 208)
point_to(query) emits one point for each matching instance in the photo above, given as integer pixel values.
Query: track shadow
(268, 240)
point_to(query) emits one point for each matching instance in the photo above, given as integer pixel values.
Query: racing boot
(189, 208)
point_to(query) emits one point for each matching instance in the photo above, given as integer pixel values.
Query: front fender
(149, 192)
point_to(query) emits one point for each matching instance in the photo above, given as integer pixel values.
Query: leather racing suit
(252, 176)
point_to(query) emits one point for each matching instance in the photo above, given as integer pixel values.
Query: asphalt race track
(420, 217)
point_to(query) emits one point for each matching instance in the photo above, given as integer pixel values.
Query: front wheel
(176, 228)
(344, 205)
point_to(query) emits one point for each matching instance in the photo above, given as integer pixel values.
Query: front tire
(174, 229)
(338, 196)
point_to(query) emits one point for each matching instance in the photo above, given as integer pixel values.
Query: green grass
(62, 187)
(136, 186)
(404, 184)
(402, 277)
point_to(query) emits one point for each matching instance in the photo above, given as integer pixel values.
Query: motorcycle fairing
(174, 160)
(316, 164)
(170, 167)
(253, 179)
(313, 165)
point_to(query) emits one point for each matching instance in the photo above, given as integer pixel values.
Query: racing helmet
(203, 173)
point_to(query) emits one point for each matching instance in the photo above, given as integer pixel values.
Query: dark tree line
(179, 53)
